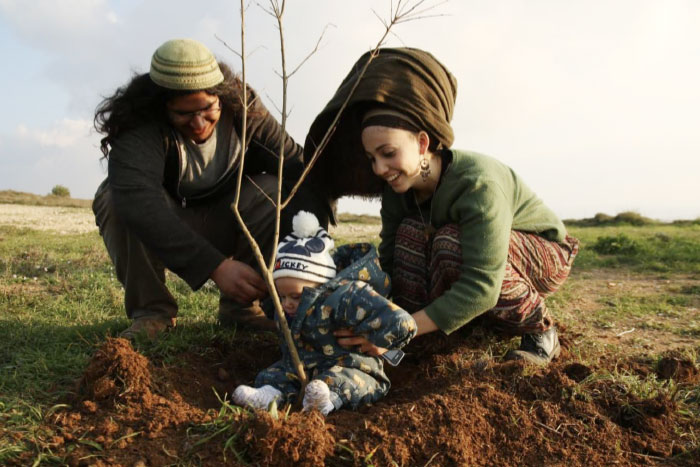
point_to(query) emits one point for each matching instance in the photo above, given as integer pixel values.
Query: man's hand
(239, 281)
(348, 339)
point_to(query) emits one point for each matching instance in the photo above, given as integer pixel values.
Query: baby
(317, 300)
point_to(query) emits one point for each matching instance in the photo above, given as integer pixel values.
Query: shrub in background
(602, 219)
(60, 190)
(619, 244)
(633, 218)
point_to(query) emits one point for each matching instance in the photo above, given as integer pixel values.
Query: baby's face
(290, 289)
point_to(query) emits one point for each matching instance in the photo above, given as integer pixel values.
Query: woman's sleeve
(485, 220)
(373, 316)
(135, 173)
(265, 139)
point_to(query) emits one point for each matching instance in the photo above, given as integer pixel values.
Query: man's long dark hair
(142, 101)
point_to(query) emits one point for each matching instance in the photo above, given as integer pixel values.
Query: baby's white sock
(259, 398)
(318, 396)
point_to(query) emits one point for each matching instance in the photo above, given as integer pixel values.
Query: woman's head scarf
(408, 80)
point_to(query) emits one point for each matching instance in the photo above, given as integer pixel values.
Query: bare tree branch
(381, 19)
(244, 103)
(279, 11)
(236, 52)
(277, 108)
(274, 104)
(262, 192)
(315, 49)
(231, 49)
(398, 38)
(266, 269)
(267, 11)
(403, 12)
(399, 15)
(422, 17)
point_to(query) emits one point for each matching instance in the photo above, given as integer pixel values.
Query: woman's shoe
(539, 349)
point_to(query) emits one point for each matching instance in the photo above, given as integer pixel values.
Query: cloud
(90, 47)
(35, 159)
(594, 105)
(63, 134)
(58, 24)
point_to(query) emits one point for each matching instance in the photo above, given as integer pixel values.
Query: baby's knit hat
(305, 253)
(185, 64)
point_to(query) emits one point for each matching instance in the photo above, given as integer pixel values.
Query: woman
(462, 235)
(172, 138)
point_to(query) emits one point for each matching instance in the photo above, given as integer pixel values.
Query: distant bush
(632, 218)
(30, 199)
(619, 244)
(601, 219)
(60, 190)
(682, 222)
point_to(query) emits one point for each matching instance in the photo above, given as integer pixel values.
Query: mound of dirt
(119, 405)
(678, 367)
(303, 439)
(117, 374)
(447, 406)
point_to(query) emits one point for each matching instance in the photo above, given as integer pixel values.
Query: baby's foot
(318, 396)
(257, 398)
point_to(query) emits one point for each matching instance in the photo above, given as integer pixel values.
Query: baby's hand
(347, 339)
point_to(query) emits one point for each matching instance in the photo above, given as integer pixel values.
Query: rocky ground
(68, 220)
(55, 218)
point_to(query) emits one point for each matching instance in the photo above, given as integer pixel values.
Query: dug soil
(447, 406)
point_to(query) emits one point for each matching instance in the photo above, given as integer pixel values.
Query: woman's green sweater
(486, 200)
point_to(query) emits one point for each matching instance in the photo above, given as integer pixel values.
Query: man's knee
(102, 204)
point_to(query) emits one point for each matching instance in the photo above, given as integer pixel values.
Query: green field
(60, 299)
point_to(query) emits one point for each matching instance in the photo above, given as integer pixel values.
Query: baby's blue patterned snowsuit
(355, 299)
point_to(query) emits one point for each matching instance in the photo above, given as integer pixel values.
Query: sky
(594, 103)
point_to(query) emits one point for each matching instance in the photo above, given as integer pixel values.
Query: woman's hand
(424, 324)
(348, 339)
(239, 281)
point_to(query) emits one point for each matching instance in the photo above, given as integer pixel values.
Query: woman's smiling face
(395, 155)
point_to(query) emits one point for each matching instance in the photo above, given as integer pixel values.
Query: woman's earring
(424, 168)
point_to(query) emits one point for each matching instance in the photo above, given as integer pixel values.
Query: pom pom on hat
(305, 253)
(305, 224)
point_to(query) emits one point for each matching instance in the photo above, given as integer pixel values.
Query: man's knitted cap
(305, 253)
(185, 64)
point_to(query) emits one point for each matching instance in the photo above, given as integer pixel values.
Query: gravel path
(57, 219)
(80, 220)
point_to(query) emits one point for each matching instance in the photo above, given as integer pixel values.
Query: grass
(359, 219)
(642, 246)
(668, 248)
(226, 425)
(59, 299)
